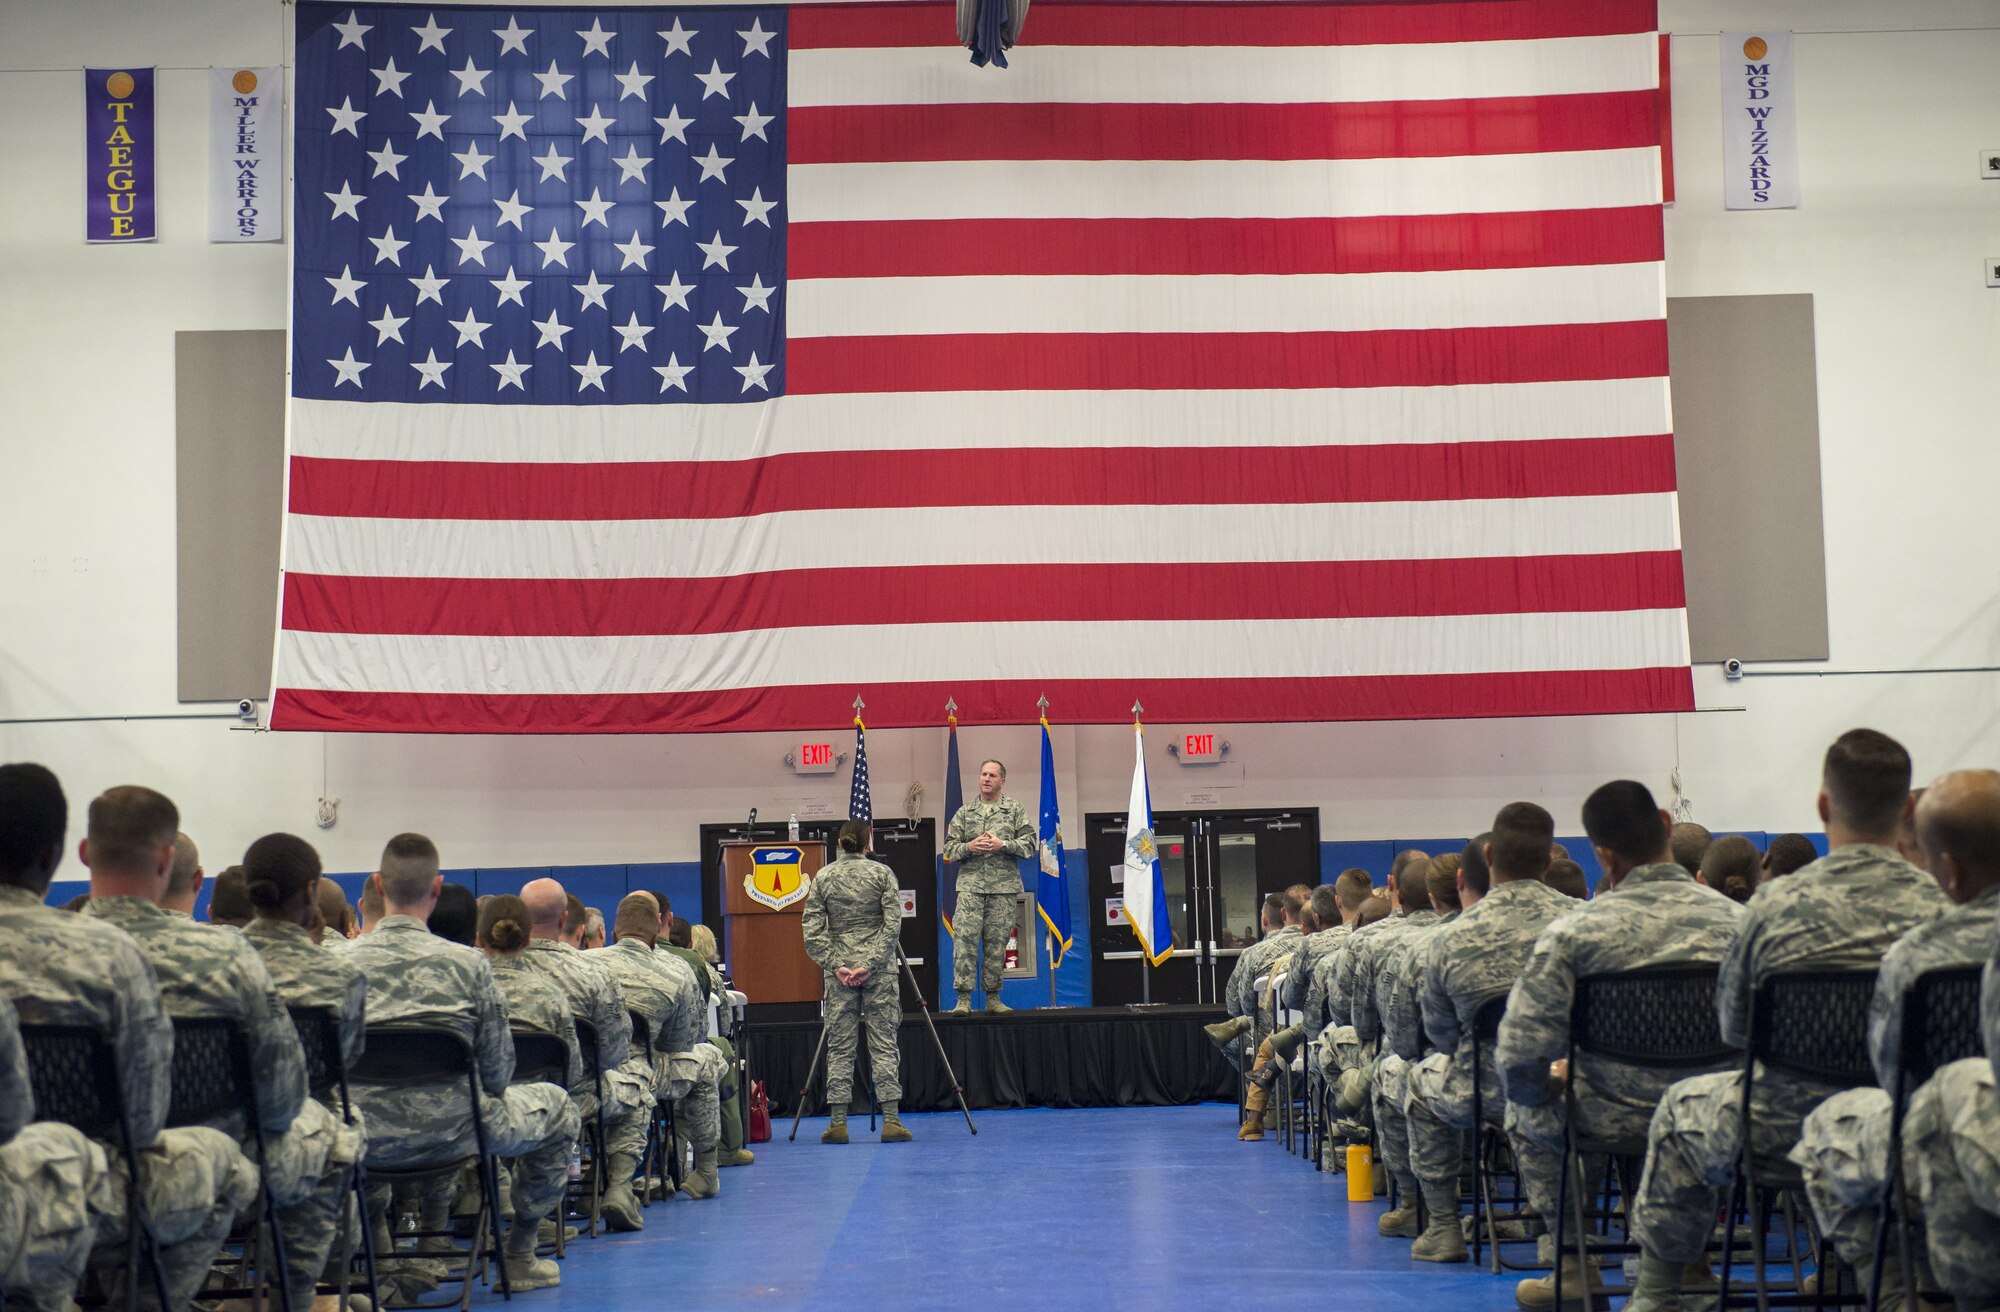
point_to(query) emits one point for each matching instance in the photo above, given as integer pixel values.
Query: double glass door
(1217, 867)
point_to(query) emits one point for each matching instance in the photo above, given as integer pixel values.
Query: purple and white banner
(118, 154)
(1760, 129)
(246, 163)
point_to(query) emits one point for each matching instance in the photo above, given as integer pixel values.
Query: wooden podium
(766, 947)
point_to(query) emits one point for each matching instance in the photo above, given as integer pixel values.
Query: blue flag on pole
(1051, 893)
(859, 805)
(954, 797)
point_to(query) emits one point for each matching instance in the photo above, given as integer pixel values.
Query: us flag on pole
(669, 369)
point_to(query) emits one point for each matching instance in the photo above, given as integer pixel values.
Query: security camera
(246, 710)
(1732, 668)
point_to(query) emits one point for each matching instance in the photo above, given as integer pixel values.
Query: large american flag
(700, 368)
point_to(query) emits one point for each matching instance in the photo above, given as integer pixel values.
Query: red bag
(760, 1114)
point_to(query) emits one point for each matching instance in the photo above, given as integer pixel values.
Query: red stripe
(1259, 590)
(1409, 129)
(1056, 476)
(922, 248)
(830, 27)
(1167, 701)
(1437, 357)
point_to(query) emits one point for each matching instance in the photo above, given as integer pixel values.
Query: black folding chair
(1811, 1025)
(1940, 1025)
(1657, 1018)
(593, 1132)
(543, 1058)
(404, 1056)
(213, 1083)
(1489, 1143)
(326, 1075)
(659, 1160)
(74, 1074)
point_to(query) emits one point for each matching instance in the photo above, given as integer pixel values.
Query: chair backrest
(211, 1071)
(413, 1054)
(1655, 1017)
(540, 1058)
(586, 1046)
(1486, 1020)
(1813, 1025)
(642, 1033)
(1940, 1022)
(74, 1074)
(319, 1035)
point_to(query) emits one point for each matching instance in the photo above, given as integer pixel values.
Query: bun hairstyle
(854, 836)
(277, 870)
(503, 923)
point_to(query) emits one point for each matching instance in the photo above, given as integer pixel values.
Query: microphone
(753, 816)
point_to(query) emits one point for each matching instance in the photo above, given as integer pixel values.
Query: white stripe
(1236, 649)
(1223, 188)
(980, 535)
(1226, 303)
(940, 74)
(925, 421)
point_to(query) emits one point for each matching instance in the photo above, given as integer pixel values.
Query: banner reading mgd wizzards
(1760, 153)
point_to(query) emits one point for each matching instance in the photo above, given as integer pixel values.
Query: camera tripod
(923, 1006)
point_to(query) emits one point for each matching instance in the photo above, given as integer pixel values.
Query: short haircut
(575, 914)
(1522, 834)
(1622, 817)
(1867, 780)
(187, 860)
(1354, 887)
(1441, 881)
(994, 760)
(1557, 852)
(679, 933)
(638, 917)
(1690, 844)
(229, 898)
(409, 864)
(1374, 909)
(1296, 898)
(593, 923)
(1472, 864)
(1967, 828)
(1730, 866)
(1788, 852)
(1274, 907)
(1326, 906)
(128, 827)
(370, 903)
(666, 905)
(1566, 877)
(34, 815)
(333, 908)
(503, 923)
(1404, 859)
(277, 869)
(456, 915)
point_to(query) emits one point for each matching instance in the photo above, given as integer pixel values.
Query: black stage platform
(1062, 1057)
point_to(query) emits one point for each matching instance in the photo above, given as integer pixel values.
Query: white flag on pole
(1145, 896)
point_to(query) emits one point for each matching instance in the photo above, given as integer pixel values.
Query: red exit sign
(1199, 748)
(816, 758)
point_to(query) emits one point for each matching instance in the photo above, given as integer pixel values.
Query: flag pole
(1146, 974)
(1049, 935)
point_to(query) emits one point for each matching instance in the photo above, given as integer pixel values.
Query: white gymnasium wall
(1896, 99)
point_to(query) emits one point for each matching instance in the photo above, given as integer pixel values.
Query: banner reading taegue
(118, 153)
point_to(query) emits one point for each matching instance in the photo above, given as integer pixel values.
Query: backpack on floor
(760, 1114)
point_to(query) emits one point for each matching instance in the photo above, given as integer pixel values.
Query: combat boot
(892, 1126)
(620, 1209)
(735, 1157)
(1253, 1116)
(525, 1271)
(1441, 1241)
(963, 1007)
(996, 1007)
(1225, 1032)
(1540, 1295)
(1400, 1223)
(701, 1181)
(836, 1130)
(1658, 1288)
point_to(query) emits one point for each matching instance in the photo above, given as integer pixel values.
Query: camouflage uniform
(1240, 993)
(1843, 1149)
(594, 998)
(1951, 1152)
(536, 1005)
(1841, 912)
(1475, 958)
(205, 971)
(989, 884)
(1389, 1087)
(684, 1070)
(64, 969)
(712, 991)
(1345, 1060)
(55, 1189)
(1656, 916)
(852, 917)
(415, 977)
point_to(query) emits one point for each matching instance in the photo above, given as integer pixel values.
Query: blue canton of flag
(551, 207)
(859, 805)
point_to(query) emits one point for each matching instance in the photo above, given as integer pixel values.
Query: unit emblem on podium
(775, 879)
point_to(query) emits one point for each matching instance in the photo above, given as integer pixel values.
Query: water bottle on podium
(792, 828)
